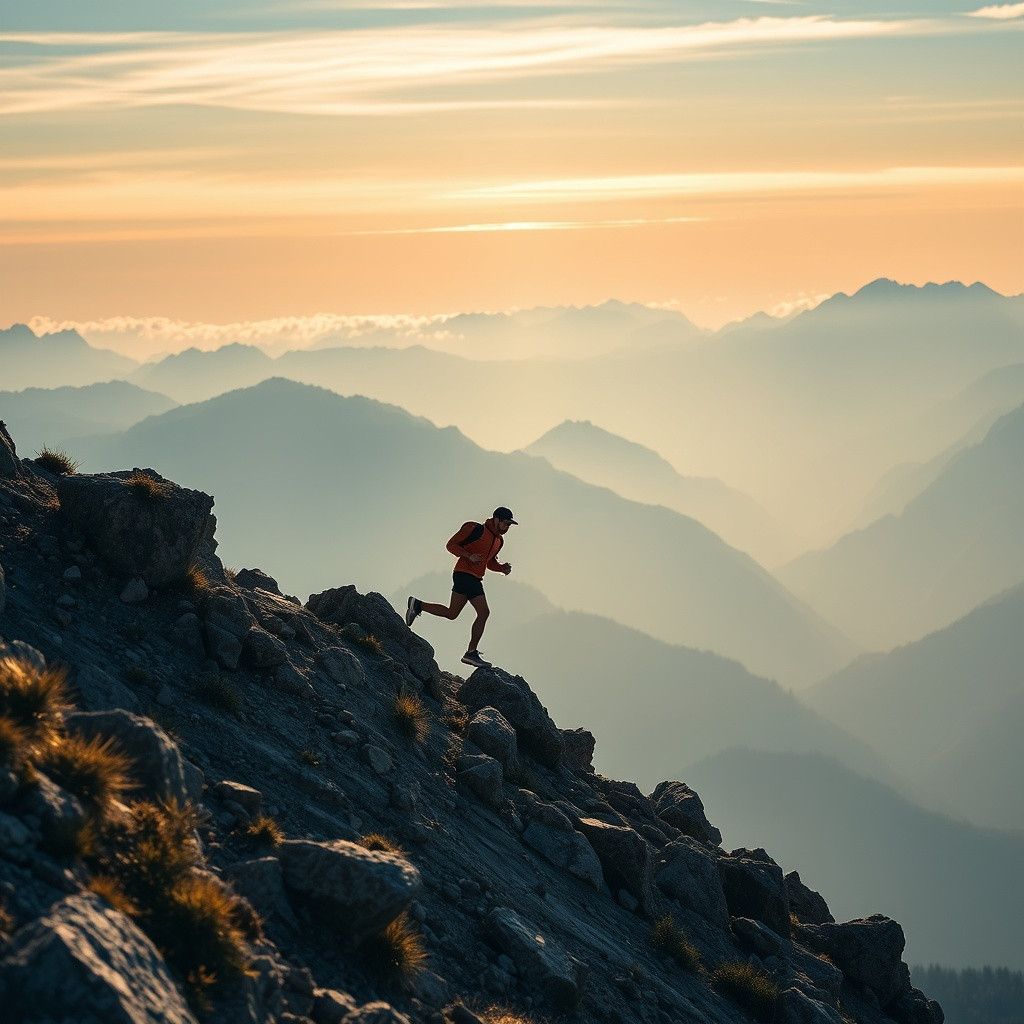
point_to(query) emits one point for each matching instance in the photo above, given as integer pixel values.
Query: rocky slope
(440, 850)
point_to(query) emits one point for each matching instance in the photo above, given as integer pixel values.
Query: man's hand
(474, 558)
(506, 568)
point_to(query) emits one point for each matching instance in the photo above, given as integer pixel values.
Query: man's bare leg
(452, 611)
(482, 611)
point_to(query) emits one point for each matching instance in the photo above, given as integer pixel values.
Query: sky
(220, 162)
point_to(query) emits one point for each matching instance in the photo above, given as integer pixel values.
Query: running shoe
(473, 658)
(412, 609)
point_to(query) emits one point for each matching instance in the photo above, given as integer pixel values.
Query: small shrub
(501, 1015)
(14, 747)
(110, 890)
(263, 831)
(748, 987)
(90, 768)
(412, 717)
(146, 488)
(370, 643)
(377, 841)
(197, 580)
(56, 460)
(310, 757)
(397, 954)
(33, 699)
(220, 692)
(668, 937)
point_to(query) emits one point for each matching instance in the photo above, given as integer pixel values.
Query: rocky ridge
(408, 802)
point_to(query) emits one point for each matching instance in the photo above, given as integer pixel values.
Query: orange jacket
(487, 546)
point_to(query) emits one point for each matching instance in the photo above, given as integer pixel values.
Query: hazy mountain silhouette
(638, 472)
(957, 887)
(952, 547)
(54, 360)
(651, 705)
(59, 416)
(351, 484)
(927, 707)
(194, 375)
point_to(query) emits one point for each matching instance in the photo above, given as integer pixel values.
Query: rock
(10, 464)
(341, 665)
(134, 591)
(677, 805)
(257, 579)
(378, 759)
(249, 799)
(261, 882)
(72, 574)
(625, 857)
(362, 889)
(226, 622)
(290, 680)
(374, 614)
(66, 601)
(759, 937)
(490, 731)
(165, 696)
(811, 970)
(914, 1007)
(187, 633)
(753, 887)
(483, 776)
(375, 1013)
(15, 839)
(808, 906)
(536, 957)
(331, 1006)
(101, 691)
(56, 809)
(157, 763)
(155, 538)
(797, 1008)
(579, 750)
(86, 962)
(688, 872)
(566, 849)
(23, 652)
(868, 952)
(261, 650)
(536, 733)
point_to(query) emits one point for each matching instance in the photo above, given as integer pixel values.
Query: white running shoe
(412, 609)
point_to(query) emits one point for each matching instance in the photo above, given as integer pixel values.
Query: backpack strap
(475, 534)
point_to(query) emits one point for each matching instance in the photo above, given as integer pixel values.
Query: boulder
(341, 665)
(261, 882)
(536, 733)
(490, 731)
(537, 958)
(10, 464)
(100, 691)
(261, 650)
(331, 1006)
(249, 799)
(625, 858)
(869, 953)
(155, 538)
(483, 776)
(808, 906)
(375, 1013)
(226, 623)
(677, 805)
(157, 764)
(579, 750)
(566, 849)
(797, 1008)
(753, 888)
(187, 633)
(375, 615)
(86, 962)
(914, 1007)
(813, 972)
(363, 890)
(759, 938)
(257, 579)
(688, 872)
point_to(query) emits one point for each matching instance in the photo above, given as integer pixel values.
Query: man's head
(503, 519)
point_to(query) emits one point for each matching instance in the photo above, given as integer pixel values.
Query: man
(476, 545)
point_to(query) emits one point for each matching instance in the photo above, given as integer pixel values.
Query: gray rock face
(536, 733)
(797, 1008)
(341, 665)
(261, 650)
(759, 937)
(155, 538)
(809, 906)
(579, 750)
(868, 952)
(375, 615)
(157, 763)
(753, 887)
(566, 849)
(678, 805)
(261, 882)
(483, 776)
(226, 622)
(101, 691)
(625, 857)
(88, 963)
(489, 730)
(535, 956)
(187, 633)
(249, 799)
(688, 872)
(364, 889)
(375, 1013)
(257, 579)
(10, 464)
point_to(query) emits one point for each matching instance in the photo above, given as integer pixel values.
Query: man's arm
(455, 547)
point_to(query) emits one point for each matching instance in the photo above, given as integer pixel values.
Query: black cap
(504, 513)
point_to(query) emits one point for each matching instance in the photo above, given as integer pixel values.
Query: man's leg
(452, 611)
(482, 611)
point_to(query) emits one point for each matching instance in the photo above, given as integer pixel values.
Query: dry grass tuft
(310, 757)
(146, 488)
(218, 691)
(503, 1015)
(397, 954)
(94, 770)
(458, 721)
(197, 580)
(371, 642)
(110, 890)
(263, 831)
(412, 717)
(14, 746)
(6, 923)
(378, 841)
(670, 939)
(748, 987)
(56, 460)
(33, 699)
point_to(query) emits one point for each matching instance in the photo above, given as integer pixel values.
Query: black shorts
(467, 584)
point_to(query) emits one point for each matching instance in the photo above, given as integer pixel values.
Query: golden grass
(146, 488)
(378, 841)
(372, 643)
(263, 831)
(670, 939)
(33, 699)
(748, 987)
(503, 1015)
(412, 717)
(110, 890)
(92, 769)
(197, 580)
(14, 747)
(56, 460)
(6, 922)
(397, 954)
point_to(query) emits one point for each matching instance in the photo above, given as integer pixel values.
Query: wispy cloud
(999, 12)
(366, 71)
(533, 225)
